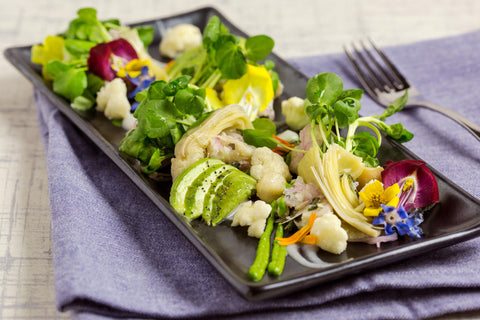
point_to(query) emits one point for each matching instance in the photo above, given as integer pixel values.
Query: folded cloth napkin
(117, 256)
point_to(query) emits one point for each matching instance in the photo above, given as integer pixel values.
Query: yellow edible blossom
(253, 91)
(373, 195)
(212, 100)
(133, 68)
(51, 49)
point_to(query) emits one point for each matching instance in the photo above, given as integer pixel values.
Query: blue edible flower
(141, 82)
(398, 220)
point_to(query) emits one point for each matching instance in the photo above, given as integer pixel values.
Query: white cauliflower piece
(254, 215)
(112, 99)
(329, 234)
(264, 160)
(271, 172)
(270, 186)
(293, 110)
(179, 39)
(322, 207)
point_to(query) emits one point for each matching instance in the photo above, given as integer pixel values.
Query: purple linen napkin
(117, 256)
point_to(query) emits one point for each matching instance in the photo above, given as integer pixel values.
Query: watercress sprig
(332, 108)
(165, 112)
(221, 55)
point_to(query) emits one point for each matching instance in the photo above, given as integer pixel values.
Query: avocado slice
(185, 179)
(216, 188)
(236, 188)
(197, 192)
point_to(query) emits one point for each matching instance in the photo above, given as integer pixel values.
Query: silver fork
(384, 83)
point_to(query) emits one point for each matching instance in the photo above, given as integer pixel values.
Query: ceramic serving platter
(456, 218)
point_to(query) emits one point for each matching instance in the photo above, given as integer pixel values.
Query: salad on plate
(207, 117)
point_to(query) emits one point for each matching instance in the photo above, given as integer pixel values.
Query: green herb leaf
(396, 106)
(213, 30)
(365, 144)
(145, 33)
(230, 58)
(345, 113)
(356, 94)
(190, 101)
(70, 83)
(258, 47)
(172, 87)
(156, 118)
(324, 88)
(79, 49)
(265, 125)
(87, 27)
(82, 103)
(259, 138)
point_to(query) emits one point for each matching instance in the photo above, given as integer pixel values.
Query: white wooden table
(299, 28)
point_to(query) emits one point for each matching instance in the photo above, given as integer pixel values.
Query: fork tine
(379, 83)
(389, 83)
(393, 70)
(364, 79)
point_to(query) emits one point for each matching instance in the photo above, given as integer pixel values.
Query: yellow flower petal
(212, 99)
(254, 90)
(394, 202)
(391, 192)
(52, 48)
(372, 191)
(372, 212)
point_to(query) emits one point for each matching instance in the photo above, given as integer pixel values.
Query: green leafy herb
(262, 134)
(166, 111)
(87, 27)
(145, 34)
(332, 108)
(221, 55)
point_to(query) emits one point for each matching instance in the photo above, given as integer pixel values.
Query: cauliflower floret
(293, 110)
(179, 39)
(264, 160)
(329, 234)
(270, 186)
(254, 215)
(112, 99)
(271, 172)
(320, 208)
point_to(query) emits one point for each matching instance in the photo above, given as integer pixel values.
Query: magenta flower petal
(123, 48)
(424, 190)
(99, 60)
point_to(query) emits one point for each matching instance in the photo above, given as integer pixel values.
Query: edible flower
(131, 69)
(398, 220)
(374, 196)
(253, 91)
(140, 79)
(50, 49)
(301, 234)
(106, 59)
(418, 185)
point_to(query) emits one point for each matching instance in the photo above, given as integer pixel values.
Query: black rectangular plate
(456, 218)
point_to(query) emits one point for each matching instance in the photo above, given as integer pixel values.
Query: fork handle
(472, 127)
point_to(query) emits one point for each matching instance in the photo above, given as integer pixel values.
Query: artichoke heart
(326, 174)
(192, 146)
